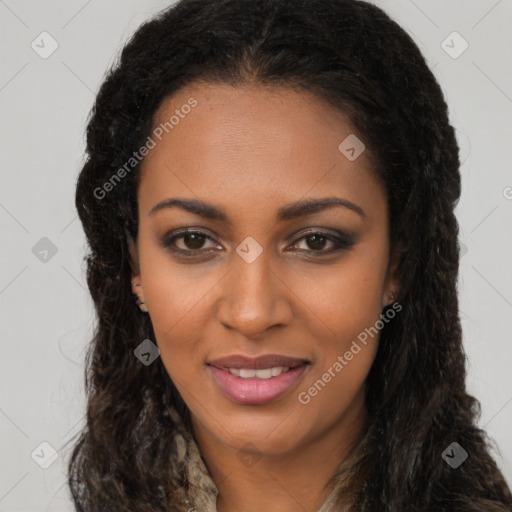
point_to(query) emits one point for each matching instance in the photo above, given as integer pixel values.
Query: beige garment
(200, 494)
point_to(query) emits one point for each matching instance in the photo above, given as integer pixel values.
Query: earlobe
(139, 296)
(392, 289)
(389, 298)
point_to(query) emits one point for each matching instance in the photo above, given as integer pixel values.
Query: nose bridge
(253, 297)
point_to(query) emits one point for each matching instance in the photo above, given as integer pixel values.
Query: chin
(277, 436)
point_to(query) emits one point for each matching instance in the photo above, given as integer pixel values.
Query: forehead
(251, 146)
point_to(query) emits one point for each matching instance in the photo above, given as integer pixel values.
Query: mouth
(264, 373)
(266, 362)
(260, 380)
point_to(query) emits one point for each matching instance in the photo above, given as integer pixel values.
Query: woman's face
(263, 275)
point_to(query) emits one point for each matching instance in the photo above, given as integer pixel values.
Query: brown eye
(193, 240)
(192, 243)
(317, 241)
(187, 242)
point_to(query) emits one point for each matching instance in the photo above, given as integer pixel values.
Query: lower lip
(256, 391)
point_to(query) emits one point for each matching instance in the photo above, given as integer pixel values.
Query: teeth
(263, 373)
(246, 374)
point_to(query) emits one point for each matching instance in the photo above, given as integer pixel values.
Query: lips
(239, 361)
(257, 380)
(256, 391)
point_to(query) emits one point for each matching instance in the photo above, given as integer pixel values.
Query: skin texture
(250, 150)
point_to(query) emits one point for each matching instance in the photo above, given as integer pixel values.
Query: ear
(134, 258)
(392, 283)
(134, 262)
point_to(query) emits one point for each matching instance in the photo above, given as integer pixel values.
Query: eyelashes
(312, 238)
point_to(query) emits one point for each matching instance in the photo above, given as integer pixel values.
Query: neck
(296, 481)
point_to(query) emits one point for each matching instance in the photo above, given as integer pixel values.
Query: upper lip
(255, 363)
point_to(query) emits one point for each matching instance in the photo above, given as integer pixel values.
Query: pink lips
(254, 390)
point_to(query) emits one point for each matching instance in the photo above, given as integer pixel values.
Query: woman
(269, 202)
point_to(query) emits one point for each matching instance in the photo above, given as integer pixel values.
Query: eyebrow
(286, 212)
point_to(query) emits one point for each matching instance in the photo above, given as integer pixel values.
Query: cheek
(346, 307)
(345, 357)
(176, 296)
(174, 291)
(343, 300)
(349, 307)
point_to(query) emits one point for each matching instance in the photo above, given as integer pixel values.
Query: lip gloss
(255, 391)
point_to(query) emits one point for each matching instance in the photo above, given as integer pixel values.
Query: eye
(190, 243)
(315, 241)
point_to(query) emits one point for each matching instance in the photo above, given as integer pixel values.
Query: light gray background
(45, 310)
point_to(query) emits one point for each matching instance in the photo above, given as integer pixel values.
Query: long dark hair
(353, 55)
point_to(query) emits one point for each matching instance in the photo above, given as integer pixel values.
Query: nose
(254, 298)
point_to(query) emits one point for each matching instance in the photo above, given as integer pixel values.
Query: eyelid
(335, 233)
